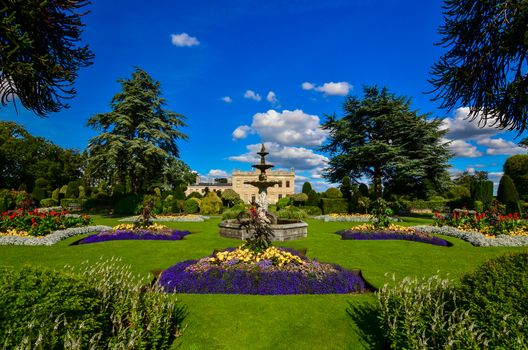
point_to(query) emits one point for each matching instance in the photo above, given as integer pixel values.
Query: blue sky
(245, 72)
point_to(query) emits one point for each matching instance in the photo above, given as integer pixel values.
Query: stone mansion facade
(247, 192)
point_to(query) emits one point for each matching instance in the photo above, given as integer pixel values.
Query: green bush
(311, 210)
(211, 204)
(55, 194)
(334, 205)
(283, 203)
(195, 195)
(292, 212)
(487, 310)
(66, 202)
(516, 167)
(230, 198)
(313, 199)
(42, 296)
(478, 206)
(48, 202)
(306, 188)
(191, 206)
(100, 306)
(128, 205)
(38, 194)
(232, 213)
(507, 194)
(496, 296)
(299, 199)
(482, 190)
(333, 193)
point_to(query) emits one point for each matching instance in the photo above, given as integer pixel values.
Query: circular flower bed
(369, 232)
(129, 232)
(272, 271)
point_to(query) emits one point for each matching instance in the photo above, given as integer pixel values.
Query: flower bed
(392, 232)
(171, 218)
(476, 238)
(36, 223)
(14, 239)
(347, 218)
(273, 271)
(129, 232)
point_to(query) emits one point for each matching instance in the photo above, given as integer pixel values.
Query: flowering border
(349, 218)
(52, 238)
(260, 279)
(122, 235)
(419, 236)
(476, 238)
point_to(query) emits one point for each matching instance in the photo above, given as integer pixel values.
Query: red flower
(515, 216)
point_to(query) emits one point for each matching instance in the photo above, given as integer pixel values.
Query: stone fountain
(283, 229)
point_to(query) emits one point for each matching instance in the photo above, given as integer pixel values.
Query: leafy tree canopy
(486, 66)
(381, 138)
(25, 158)
(137, 145)
(39, 52)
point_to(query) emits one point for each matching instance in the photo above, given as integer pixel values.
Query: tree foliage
(516, 167)
(136, 147)
(25, 158)
(507, 194)
(380, 137)
(39, 52)
(306, 187)
(486, 65)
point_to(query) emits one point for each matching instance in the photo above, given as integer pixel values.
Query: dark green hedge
(334, 205)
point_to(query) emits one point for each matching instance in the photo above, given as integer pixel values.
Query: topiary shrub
(191, 206)
(7, 200)
(48, 202)
(313, 199)
(38, 194)
(72, 189)
(211, 204)
(507, 194)
(482, 190)
(333, 193)
(299, 199)
(55, 194)
(334, 205)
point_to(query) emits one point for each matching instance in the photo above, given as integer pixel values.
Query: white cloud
(500, 146)
(308, 86)
(242, 132)
(227, 99)
(183, 40)
(272, 98)
(217, 173)
(341, 88)
(286, 128)
(464, 149)
(252, 95)
(298, 158)
(461, 128)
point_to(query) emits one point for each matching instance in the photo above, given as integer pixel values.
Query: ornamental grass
(273, 271)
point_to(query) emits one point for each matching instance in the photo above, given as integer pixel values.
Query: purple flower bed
(166, 235)
(195, 276)
(387, 235)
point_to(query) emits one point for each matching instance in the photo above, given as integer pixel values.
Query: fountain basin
(284, 230)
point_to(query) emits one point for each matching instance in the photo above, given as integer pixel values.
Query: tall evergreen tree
(39, 55)
(486, 66)
(137, 139)
(516, 167)
(507, 194)
(380, 137)
(306, 188)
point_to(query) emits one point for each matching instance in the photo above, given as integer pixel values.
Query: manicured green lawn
(273, 322)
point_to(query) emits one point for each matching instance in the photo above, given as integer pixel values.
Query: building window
(287, 183)
(280, 196)
(253, 199)
(280, 183)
